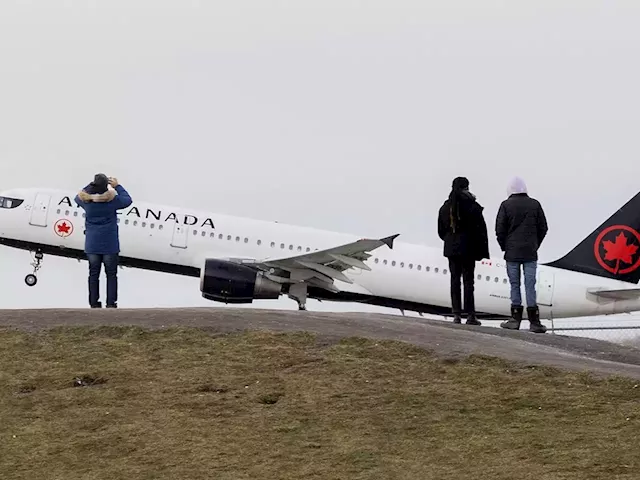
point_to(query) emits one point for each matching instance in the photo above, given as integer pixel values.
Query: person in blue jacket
(102, 242)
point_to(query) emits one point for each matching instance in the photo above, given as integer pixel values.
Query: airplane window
(66, 212)
(290, 247)
(153, 225)
(246, 240)
(376, 260)
(299, 248)
(426, 269)
(419, 267)
(84, 215)
(411, 265)
(308, 249)
(273, 244)
(496, 279)
(259, 242)
(58, 211)
(126, 222)
(220, 236)
(393, 264)
(444, 271)
(160, 227)
(237, 239)
(144, 224)
(488, 278)
(504, 280)
(282, 245)
(10, 202)
(135, 222)
(401, 264)
(228, 237)
(75, 214)
(479, 277)
(436, 269)
(384, 261)
(204, 234)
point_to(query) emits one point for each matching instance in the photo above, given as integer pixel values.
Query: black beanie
(100, 183)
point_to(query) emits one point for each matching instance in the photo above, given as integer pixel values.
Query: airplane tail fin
(612, 250)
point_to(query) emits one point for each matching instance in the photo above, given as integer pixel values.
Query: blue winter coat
(101, 222)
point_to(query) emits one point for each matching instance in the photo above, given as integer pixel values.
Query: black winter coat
(520, 228)
(470, 240)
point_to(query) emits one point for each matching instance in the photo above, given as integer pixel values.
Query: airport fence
(622, 331)
(622, 334)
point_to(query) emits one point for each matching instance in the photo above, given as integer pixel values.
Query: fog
(345, 115)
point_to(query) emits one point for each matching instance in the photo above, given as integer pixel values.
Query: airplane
(239, 260)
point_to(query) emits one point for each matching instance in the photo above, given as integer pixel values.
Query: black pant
(465, 268)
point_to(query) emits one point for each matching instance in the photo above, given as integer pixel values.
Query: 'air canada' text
(185, 219)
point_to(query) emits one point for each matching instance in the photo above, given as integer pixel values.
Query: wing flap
(622, 294)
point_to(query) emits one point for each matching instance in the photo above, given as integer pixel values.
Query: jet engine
(229, 282)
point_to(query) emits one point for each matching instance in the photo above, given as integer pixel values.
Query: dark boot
(472, 320)
(457, 318)
(514, 323)
(533, 314)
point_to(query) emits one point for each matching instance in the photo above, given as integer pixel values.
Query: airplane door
(40, 210)
(179, 238)
(544, 287)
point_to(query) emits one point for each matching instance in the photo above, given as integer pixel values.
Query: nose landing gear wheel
(31, 279)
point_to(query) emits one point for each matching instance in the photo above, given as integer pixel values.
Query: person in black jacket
(521, 226)
(462, 227)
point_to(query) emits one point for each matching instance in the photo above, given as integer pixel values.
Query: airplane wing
(322, 267)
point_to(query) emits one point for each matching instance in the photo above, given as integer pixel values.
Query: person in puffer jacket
(101, 200)
(521, 226)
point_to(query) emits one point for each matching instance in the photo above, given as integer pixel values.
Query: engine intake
(230, 282)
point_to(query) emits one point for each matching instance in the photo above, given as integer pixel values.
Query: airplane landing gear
(298, 292)
(32, 279)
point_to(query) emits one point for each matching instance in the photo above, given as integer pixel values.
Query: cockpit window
(6, 202)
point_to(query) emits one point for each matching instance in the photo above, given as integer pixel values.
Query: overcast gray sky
(339, 114)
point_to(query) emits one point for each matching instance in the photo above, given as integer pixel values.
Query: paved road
(441, 337)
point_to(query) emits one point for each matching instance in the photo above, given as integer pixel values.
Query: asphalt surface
(441, 337)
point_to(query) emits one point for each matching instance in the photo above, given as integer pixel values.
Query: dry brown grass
(182, 404)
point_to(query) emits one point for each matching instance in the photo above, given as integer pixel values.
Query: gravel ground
(443, 338)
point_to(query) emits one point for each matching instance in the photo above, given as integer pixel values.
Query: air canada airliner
(238, 260)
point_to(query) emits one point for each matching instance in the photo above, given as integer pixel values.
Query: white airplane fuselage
(410, 274)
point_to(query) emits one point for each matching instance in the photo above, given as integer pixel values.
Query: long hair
(459, 185)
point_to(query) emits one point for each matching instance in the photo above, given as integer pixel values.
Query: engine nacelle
(230, 282)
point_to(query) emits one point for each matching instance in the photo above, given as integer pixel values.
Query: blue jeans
(513, 272)
(111, 270)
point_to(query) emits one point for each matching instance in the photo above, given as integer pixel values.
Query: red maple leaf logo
(64, 228)
(619, 251)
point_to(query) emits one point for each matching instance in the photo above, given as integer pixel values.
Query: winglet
(388, 241)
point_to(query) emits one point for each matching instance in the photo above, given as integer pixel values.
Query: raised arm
(123, 199)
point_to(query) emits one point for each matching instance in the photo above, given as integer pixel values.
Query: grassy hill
(126, 403)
